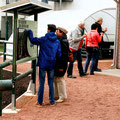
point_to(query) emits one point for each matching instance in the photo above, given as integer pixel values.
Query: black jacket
(99, 28)
(61, 64)
(100, 31)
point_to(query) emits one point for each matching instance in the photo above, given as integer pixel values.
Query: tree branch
(117, 1)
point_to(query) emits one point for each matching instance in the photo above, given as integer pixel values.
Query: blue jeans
(76, 56)
(91, 56)
(50, 74)
(96, 63)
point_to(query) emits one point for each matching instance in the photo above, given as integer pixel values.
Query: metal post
(6, 35)
(0, 103)
(33, 65)
(60, 4)
(0, 73)
(14, 61)
(33, 77)
(0, 94)
(6, 38)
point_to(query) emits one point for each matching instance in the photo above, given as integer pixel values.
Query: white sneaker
(60, 100)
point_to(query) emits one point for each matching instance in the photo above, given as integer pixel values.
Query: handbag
(70, 56)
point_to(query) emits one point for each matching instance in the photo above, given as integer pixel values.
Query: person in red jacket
(91, 45)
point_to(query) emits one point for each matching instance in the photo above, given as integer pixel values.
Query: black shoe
(91, 73)
(83, 74)
(71, 76)
(98, 70)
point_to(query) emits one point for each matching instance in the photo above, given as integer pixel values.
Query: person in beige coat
(61, 66)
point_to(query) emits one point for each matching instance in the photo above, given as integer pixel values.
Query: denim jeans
(91, 56)
(76, 56)
(96, 63)
(50, 74)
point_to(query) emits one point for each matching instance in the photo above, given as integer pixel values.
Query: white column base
(10, 111)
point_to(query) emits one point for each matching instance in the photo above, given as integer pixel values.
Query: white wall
(71, 13)
(86, 4)
(2, 3)
(68, 19)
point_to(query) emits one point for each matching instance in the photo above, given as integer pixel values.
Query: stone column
(117, 37)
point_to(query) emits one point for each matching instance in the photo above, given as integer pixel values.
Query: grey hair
(99, 19)
(81, 23)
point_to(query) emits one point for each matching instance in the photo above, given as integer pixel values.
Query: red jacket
(92, 39)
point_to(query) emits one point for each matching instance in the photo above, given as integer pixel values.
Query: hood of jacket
(51, 36)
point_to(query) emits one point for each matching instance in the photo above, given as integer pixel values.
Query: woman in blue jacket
(50, 49)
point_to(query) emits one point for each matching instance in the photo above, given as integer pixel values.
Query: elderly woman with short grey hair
(75, 44)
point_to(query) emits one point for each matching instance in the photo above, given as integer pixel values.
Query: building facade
(3, 23)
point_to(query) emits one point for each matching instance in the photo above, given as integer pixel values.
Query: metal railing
(10, 83)
(4, 42)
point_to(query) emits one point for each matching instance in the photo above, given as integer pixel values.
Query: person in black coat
(61, 66)
(99, 22)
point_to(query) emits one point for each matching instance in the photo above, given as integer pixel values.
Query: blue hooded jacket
(50, 49)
